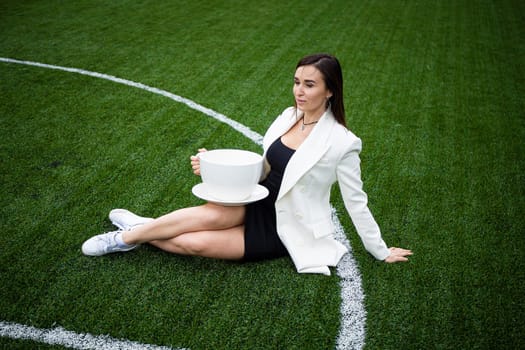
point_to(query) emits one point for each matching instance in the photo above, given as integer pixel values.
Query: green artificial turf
(434, 89)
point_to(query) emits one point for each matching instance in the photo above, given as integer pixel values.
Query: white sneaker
(126, 220)
(104, 244)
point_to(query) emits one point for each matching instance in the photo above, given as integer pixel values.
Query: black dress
(260, 229)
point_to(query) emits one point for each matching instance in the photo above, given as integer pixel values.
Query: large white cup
(230, 174)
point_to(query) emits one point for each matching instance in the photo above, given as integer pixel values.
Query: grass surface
(434, 89)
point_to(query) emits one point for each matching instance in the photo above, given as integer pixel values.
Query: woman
(307, 149)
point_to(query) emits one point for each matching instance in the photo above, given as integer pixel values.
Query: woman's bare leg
(220, 244)
(207, 217)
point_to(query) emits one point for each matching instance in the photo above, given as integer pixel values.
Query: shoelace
(109, 240)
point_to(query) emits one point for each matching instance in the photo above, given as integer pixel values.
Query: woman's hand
(196, 162)
(397, 255)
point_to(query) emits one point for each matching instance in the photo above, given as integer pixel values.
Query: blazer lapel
(309, 153)
(280, 127)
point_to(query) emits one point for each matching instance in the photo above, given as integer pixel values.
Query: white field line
(59, 336)
(353, 315)
(193, 105)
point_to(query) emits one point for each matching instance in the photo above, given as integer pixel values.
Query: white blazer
(304, 216)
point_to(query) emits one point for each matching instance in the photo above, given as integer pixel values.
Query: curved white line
(60, 336)
(193, 105)
(353, 315)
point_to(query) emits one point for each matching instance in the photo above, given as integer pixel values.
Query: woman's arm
(356, 202)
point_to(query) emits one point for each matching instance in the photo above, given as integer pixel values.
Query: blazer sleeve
(356, 202)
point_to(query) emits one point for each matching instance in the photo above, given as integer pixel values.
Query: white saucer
(259, 193)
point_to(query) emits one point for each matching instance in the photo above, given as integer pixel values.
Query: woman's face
(310, 90)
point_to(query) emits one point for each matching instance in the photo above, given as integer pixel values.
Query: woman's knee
(223, 217)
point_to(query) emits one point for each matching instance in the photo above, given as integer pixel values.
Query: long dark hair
(332, 73)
